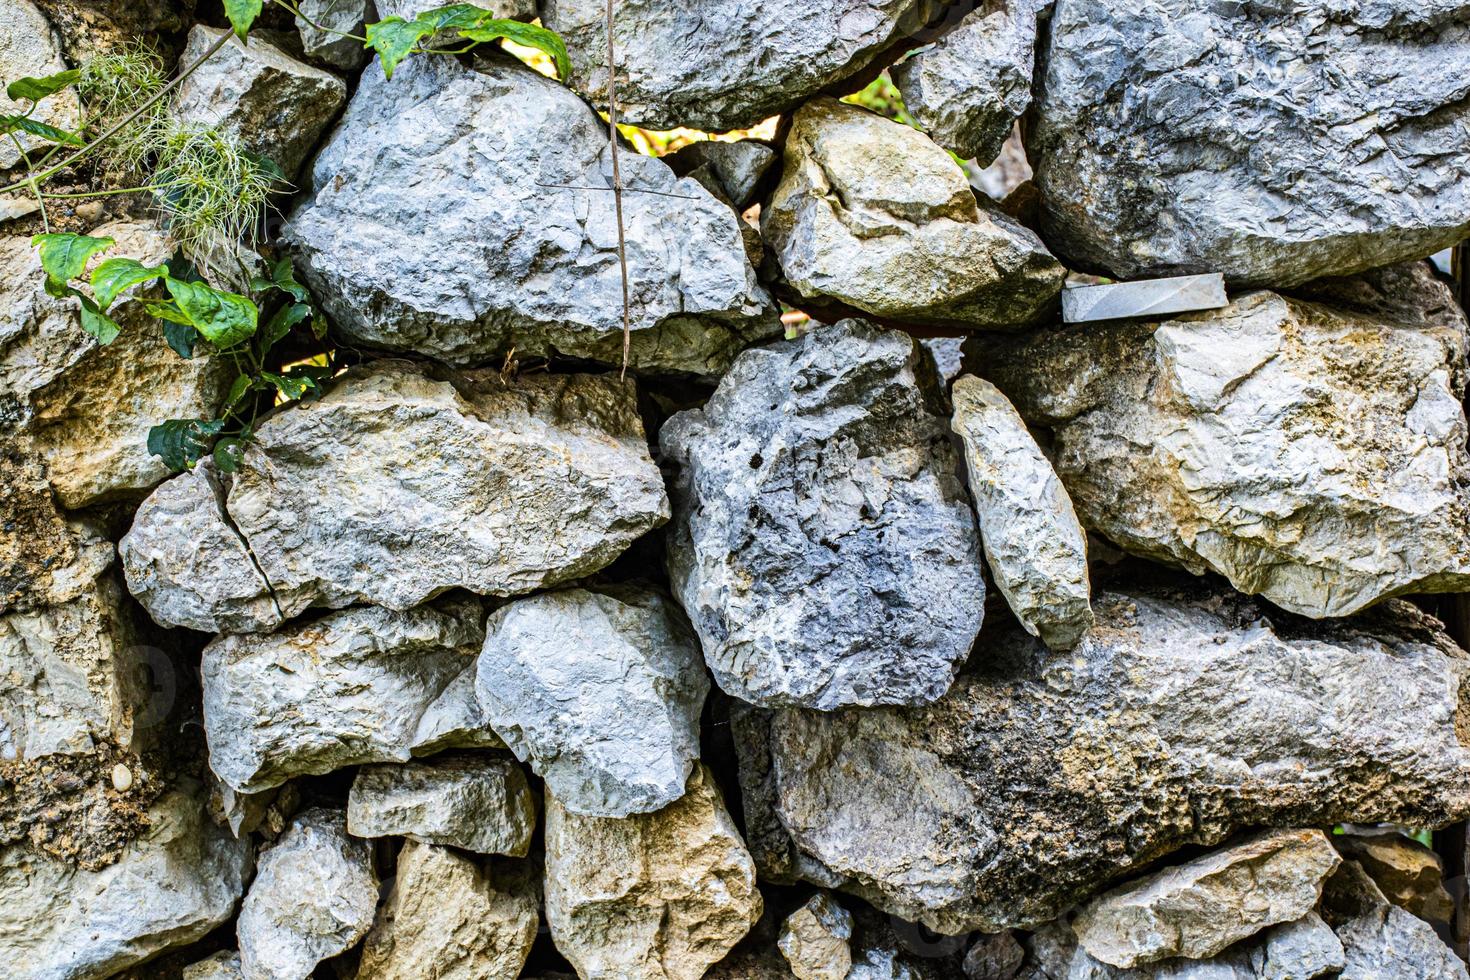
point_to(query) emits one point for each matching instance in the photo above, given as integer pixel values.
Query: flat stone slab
(1147, 297)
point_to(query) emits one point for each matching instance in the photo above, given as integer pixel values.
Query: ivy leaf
(180, 443)
(225, 319)
(393, 38)
(182, 337)
(227, 453)
(9, 124)
(453, 16)
(242, 14)
(283, 277)
(182, 269)
(237, 391)
(291, 388)
(530, 35)
(98, 323)
(36, 89)
(315, 375)
(115, 275)
(281, 323)
(64, 256)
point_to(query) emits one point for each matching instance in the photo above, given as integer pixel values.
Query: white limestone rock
(30, 47)
(816, 939)
(478, 803)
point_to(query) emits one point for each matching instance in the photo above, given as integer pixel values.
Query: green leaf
(283, 277)
(316, 375)
(225, 319)
(281, 323)
(64, 256)
(36, 89)
(9, 124)
(291, 388)
(530, 35)
(115, 275)
(237, 391)
(227, 453)
(98, 323)
(182, 442)
(182, 337)
(393, 38)
(242, 14)
(453, 16)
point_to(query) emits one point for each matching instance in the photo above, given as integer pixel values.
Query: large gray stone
(1272, 144)
(1386, 941)
(719, 65)
(1036, 549)
(823, 546)
(736, 169)
(1409, 874)
(600, 693)
(276, 105)
(1198, 908)
(171, 886)
(82, 408)
(456, 719)
(450, 918)
(515, 263)
(654, 896)
(323, 24)
(1148, 297)
(968, 88)
(1037, 779)
(347, 689)
(401, 483)
(313, 897)
(872, 214)
(478, 803)
(1312, 454)
(1300, 950)
(29, 46)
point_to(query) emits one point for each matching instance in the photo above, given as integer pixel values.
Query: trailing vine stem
(617, 188)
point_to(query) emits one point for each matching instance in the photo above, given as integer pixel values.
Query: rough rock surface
(347, 689)
(968, 88)
(816, 939)
(1197, 909)
(323, 18)
(1181, 716)
(515, 263)
(449, 918)
(823, 546)
(477, 803)
(1388, 942)
(224, 965)
(1300, 950)
(457, 480)
(656, 896)
(30, 47)
(456, 719)
(170, 887)
(873, 214)
(408, 9)
(276, 105)
(1312, 454)
(600, 693)
(735, 169)
(1409, 874)
(313, 897)
(716, 65)
(83, 408)
(997, 956)
(1171, 138)
(1036, 549)
(46, 558)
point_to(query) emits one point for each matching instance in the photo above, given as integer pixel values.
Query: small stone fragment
(323, 24)
(479, 803)
(656, 896)
(224, 965)
(170, 887)
(600, 692)
(967, 89)
(451, 918)
(30, 47)
(815, 939)
(864, 586)
(1197, 909)
(872, 214)
(997, 956)
(1408, 873)
(737, 168)
(1300, 950)
(1147, 297)
(122, 778)
(458, 480)
(1036, 549)
(456, 720)
(1389, 942)
(313, 897)
(277, 106)
(347, 689)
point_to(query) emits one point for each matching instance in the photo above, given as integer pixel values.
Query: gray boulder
(600, 693)
(1170, 140)
(170, 887)
(1036, 549)
(718, 65)
(872, 214)
(325, 22)
(1300, 950)
(30, 46)
(968, 88)
(1198, 908)
(734, 169)
(1386, 941)
(515, 264)
(478, 803)
(822, 543)
(1313, 454)
(276, 105)
(456, 719)
(449, 918)
(401, 483)
(1037, 779)
(347, 689)
(313, 897)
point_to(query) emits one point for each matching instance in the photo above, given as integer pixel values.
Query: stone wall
(875, 623)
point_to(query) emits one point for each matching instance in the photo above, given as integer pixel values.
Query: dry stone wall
(869, 622)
